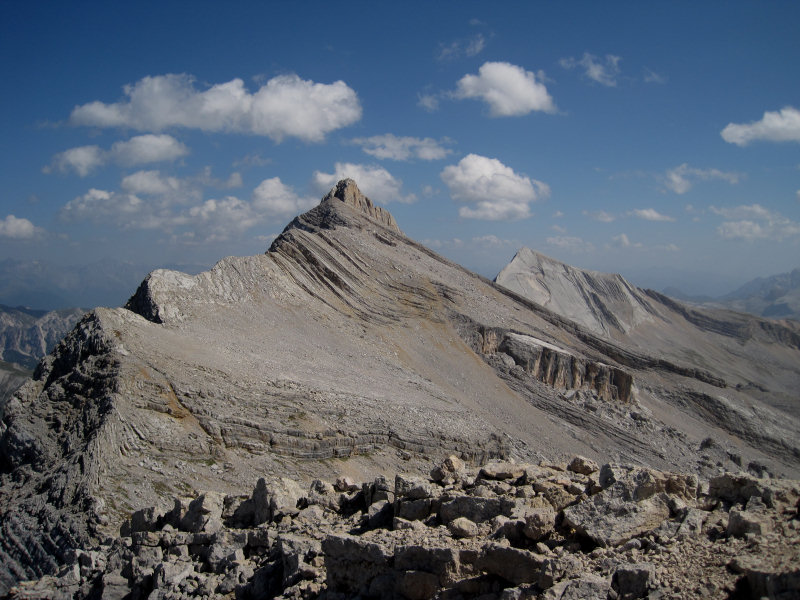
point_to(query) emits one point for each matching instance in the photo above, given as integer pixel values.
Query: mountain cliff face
(27, 335)
(348, 349)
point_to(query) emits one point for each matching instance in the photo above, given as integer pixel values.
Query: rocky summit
(241, 404)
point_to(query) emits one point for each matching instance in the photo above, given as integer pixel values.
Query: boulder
(450, 471)
(611, 521)
(204, 513)
(502, 470)
(632, 581)
(476, 509)
(582, 465)
(462, 528)
(539, 523)
(512, 564)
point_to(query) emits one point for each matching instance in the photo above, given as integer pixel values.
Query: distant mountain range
(774, 297)
(48, 286)
(26, 335)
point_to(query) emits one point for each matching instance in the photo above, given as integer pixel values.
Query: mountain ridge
(348, 349)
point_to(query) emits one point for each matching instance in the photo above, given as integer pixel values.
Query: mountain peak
(347, 191)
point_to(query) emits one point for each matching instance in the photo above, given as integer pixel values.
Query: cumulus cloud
(17, 228)
(138, 150)
(286, 106)
(681, 178)
(599, 215)
(374, 181)
(753, 222)
(491, 190)
(403, 148)
(123, 209)
(604, 72)
(152, 183)
(509, 90)
(650, 214)
(780, 126)
(273, 197)
(570, 243)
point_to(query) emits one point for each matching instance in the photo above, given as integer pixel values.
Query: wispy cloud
(602, 71)
(570, 243)
(780, 126)
(649, 214)
(599, 215)
(465, 47)
(681, 178)
(622, 241)
(404, 148)
(753, 222)
(491, 190)
(286, 106)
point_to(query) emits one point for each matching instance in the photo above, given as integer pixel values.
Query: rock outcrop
(506, 530)
(348, 353)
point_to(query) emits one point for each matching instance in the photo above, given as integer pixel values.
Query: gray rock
(632, 581)
(512, 564)
(462, 528)
(611, 521)
(476, 509)
(583, 465)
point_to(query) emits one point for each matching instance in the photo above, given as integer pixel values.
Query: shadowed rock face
(349, 350)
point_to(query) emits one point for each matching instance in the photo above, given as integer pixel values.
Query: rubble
(640, 533)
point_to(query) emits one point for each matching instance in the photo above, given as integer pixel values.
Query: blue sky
(659, 140)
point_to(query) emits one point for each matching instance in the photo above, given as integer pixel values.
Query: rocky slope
(506, 530)
(27, 335)
(350, 350)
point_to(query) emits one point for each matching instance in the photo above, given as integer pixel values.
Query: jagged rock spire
(347, 191)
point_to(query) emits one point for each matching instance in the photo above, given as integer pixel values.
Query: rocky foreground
(505, 530)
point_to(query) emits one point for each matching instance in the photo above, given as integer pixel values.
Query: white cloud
(470, 47)
(558, 214)
(17, 228)
(752, 222)
(650, 214)
(138, 150)
(148, 148)
(490, 241)
(558, 229)
(681, 178)
(273, 197)
(653, 77)
(403, 148)
(782, 126)
(495, 190)
(622, 241)
(123, 209)
(83, 160)
(509, 90)
(374, 181)
(151, 183)
(217, 220)
(570, 243)
(429, 102)
(604, 73)
(285, 106)
(599, 215)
